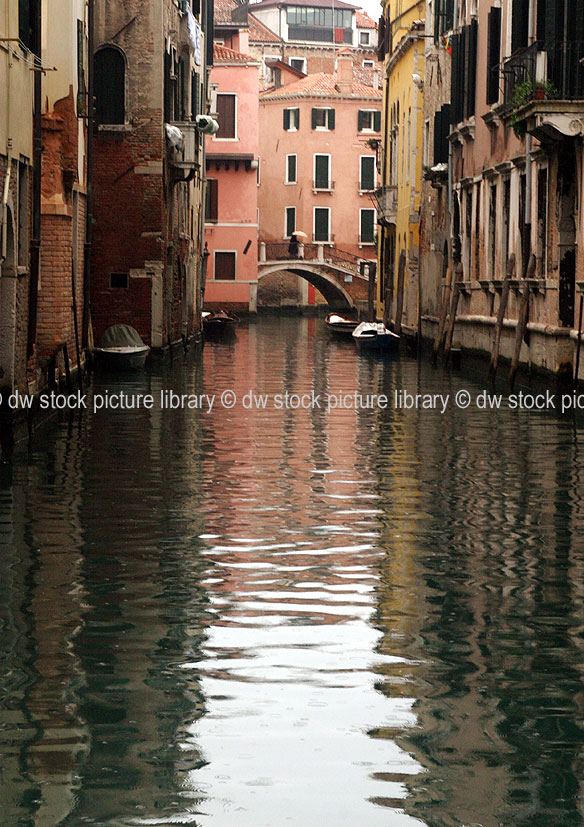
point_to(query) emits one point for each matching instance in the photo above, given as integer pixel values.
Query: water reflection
(289, 616)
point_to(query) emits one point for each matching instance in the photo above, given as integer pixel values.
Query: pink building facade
(318, 160)
(231, 222)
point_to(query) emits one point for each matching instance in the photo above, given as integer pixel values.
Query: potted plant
(522, 94)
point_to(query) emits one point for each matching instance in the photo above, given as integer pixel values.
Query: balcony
(544, 91)
(385, 200)
(323, 186)
(183, 148)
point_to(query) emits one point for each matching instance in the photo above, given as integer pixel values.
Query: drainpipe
(526, 230)
(35, 244)
(89, 190)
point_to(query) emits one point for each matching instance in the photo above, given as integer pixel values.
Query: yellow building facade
(401, 159)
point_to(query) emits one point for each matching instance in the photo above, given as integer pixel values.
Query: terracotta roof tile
(258, 33)
(229, 55)
(321, 84)
(364, 21)
(223, 9)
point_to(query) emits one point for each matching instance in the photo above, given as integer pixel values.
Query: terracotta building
(231, 227)
(150, 86)
(318, 161)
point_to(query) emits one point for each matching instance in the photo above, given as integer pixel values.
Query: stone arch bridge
(335, 273)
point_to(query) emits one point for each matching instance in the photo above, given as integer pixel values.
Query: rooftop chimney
(345, 74)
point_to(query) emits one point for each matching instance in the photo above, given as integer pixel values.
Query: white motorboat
(375, 336)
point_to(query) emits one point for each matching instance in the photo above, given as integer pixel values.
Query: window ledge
(123, 128)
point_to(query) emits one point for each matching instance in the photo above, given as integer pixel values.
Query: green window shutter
(367, 226)
(360, 120)
(321, 172)
(321, 224)
(291, 168)
(314, 118)
(286, 119)
(377, 121)
(367, 173)
(290, 220)
(296, 118)
(331, 119)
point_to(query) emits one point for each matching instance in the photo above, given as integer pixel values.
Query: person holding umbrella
(293, 246)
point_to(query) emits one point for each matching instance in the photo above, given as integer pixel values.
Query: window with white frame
(369, 120)
(322, 224)
(298, 63)
(366, 226)
(291, 169)
(367, 173)
(291, 119)
(364, 38)
(226, 116)
(322, 172)
(290, 221)
(368, 64)
(323, 118)
(224, 266)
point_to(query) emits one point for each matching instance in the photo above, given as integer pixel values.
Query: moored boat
(375, 336)
(340, 326)
(219, 323)
(121, 348)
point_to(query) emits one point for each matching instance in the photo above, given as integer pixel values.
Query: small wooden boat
(219, 323)
(121, 348)
(375, 336)
(340, 326)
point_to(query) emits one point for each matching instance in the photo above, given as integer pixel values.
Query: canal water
(276, 616)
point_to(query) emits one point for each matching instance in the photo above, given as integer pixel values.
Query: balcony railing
(558, 64)
(323, 186)
(385, 199)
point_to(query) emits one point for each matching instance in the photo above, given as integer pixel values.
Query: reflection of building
(150, 85)
(399, 194)
(231, 225)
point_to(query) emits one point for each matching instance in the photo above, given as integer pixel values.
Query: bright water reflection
(293, 617)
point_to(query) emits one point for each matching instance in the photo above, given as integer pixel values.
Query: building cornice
(408, 40)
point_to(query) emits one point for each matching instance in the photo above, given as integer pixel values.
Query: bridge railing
(323, 253)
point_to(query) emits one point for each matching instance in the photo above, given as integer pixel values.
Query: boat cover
(121, 335)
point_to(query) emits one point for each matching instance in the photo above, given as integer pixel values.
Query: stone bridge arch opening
(334, 293)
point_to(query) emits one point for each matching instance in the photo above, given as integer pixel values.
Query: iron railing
(559, 66)
(279, 251)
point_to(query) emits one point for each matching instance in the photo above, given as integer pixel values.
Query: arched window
(109, 86)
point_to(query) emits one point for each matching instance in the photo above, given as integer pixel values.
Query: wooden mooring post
(577, 370)
(443, 315)
(500, 316)
(453, 310)
(521, 321)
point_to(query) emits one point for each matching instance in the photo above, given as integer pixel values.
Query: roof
(321, 85)
(258, 33)
(364, 21)
(223, 53)
(222, 10)
(321, 4)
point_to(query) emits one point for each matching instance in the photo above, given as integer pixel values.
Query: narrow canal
(264, 617)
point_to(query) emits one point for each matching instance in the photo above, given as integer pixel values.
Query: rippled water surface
(293, 617)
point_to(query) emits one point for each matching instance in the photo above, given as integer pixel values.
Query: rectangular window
(224, 265)
(290, 169)
(290, 221)
(119, 281)
(368, 120)
(364, 38)
(322, 224)
(323, 118)
(367, 177)
(366, 226)
(291, 119)
(212, 200)
(322, 178)
(493, 54)
(226, 108)
(298, 63)
(194, 95)
(542, 220)
(368, 64)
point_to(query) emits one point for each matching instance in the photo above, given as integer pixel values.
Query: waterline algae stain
(300, 615)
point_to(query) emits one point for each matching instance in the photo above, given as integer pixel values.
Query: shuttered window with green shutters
(323, 118)
(368, 120)
(321, 172)
(366, 226)
(291, 119)
(493, 54)
(367, 177)
(321, 223)
(290, 221)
